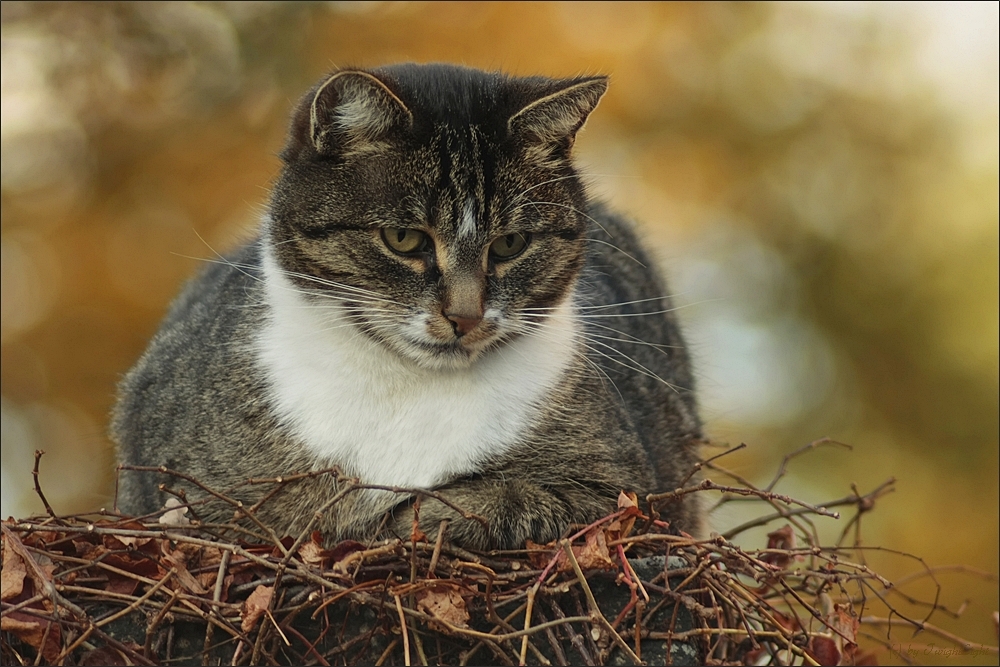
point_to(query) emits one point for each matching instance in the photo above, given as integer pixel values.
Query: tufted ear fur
(350, 112)
(555, 118)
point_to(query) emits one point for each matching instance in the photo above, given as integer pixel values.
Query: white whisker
(638, 368)
(536, 329)
(572, 208)
(613, 305)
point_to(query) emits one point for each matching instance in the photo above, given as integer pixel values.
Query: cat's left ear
(556, 117)
(350, 111)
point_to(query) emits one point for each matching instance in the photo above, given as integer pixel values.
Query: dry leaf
(103, 656)
(417, 535)
(630, 503)
(189, 582)
(178, 559)
(174, 516)
(210, 557)
(12, 576)
(40, 538)
(824, 651)
(541, 554)
(444, 603)
(286, 542)
(255, 606)
(135, 563)
(121, 585)
(45, 564)
(844, 621)
(116, 542)
(31, 630)
(783, 538)
(88, 550)
(627, 500)
(789, 623)
(38, 571)
(312, 552)
(755, 656)
(594, 555)
(343, 550)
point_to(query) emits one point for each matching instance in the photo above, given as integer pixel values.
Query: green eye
(405, 241)
(509, 246)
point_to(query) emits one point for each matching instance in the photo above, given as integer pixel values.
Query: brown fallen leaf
(115, 542)
(12, 576)
(255, 606)
(594, 555)
(824, 651)
(103, 656)
(88, 550)
(789, 623)
(540, 554)
(209, 557)
(311, 552)
(135, 563)
(417, 535)
(344, 549)
(39, 538)
(45, 565)
(783, 538)
(626, 500)
(286, 542)
(174, 516)
(444, 603)
(31, 630)
(38, 567)
(754, 657)
(179, 560)
(121, 585)
(622, 527)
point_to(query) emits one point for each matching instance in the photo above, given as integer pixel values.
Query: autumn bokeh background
(820, 182)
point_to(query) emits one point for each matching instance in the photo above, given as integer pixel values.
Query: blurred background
(820, 182)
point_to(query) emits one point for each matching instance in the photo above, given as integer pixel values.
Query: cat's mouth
(451, 354)
(441, 348)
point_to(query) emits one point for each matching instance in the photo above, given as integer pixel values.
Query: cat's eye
(509, 246)
(406, 241)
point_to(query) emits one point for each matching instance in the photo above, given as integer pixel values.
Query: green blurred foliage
(828, 210)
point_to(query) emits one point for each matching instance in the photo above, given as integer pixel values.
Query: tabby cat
(433, 302)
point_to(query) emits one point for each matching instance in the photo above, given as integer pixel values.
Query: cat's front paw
(484, 516)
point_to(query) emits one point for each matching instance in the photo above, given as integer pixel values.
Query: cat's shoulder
(232, 278)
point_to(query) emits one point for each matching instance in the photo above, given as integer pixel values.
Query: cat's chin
(442, 356)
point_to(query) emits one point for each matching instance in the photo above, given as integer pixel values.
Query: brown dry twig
(71, 582)
(38, 487)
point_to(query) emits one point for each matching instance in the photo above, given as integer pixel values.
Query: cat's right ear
(554, 118)
(350, 112)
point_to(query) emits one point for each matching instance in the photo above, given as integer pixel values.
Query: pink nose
(463, 324)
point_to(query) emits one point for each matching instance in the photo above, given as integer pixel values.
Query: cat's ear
(350, 111)
(554, 118)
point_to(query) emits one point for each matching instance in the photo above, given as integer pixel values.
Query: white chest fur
(359, 405)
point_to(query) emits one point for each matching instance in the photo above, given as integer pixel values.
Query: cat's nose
(463, 323)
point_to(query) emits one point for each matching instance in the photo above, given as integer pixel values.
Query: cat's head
(434, 206)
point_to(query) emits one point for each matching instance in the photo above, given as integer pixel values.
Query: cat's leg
(503, 510)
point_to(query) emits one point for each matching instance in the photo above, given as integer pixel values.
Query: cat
(433, 302)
